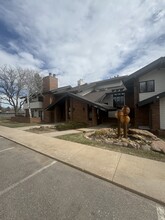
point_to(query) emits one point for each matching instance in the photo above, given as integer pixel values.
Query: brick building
(94, 103)
(89, 103)
(147, 87)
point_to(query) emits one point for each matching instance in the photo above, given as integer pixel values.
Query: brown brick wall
(48, 98)
(47, 117)
(94, 116)
(49, 83)
(161, 133)
(155, 115)
(46, 102)
(57, 114)
(79, 111)
(142, 116)
(148, 115)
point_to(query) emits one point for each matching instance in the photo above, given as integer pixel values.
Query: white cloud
(23, 59)
(85, 39)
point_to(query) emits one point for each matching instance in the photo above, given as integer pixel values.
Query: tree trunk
(28, 103)
(15, 110)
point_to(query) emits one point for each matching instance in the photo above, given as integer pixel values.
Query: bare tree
(17, 82)
(11, 86)
(33, 86)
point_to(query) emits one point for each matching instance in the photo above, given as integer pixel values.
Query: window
(40, 114)
(40, 99)
(118, 99)
(147, 86)
(32, 111)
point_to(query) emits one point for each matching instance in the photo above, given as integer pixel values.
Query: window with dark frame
(40, 99)
(147, 86)
(118, 100)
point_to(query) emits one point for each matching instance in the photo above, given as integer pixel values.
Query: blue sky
(87, 39)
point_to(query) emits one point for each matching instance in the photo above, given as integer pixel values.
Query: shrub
(103, 132)
(70, 125)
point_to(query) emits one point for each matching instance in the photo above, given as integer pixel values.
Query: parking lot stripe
(160, 213)
(6, 149)
(26, 178)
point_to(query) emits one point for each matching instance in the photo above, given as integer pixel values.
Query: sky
(82, 39)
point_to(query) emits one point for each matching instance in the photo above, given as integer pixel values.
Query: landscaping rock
(137, 139)
(158, 145)
(142, 133)
(146, 147)
(141, 138)
(125, 144)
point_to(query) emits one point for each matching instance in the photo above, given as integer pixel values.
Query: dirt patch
(42, 129)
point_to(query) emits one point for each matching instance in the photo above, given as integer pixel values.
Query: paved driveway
(33, 186)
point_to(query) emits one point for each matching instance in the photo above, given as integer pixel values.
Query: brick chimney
(50, 82)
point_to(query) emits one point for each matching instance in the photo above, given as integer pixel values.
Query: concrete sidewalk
(56, 133)
(144, 176)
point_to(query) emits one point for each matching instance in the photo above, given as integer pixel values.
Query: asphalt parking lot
(33, 186)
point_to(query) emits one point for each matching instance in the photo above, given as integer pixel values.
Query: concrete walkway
(144, 176)
(35, 126)
(57, 133)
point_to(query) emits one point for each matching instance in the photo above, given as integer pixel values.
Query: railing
(33, 105)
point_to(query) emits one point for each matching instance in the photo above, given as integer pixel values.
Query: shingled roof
(101, 106)
(157, 64)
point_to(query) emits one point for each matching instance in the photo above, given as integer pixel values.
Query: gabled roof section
(111, 80)
(95, 104)
(95, 96)
(111, 87)
(151, 99)
(60, 90)
(92, 93)
(101, 106)
(89, 87)
(83, 87)
(157, 64)
(52, 105)
(98, 85)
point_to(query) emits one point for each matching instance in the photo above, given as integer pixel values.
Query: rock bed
(138, 139)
